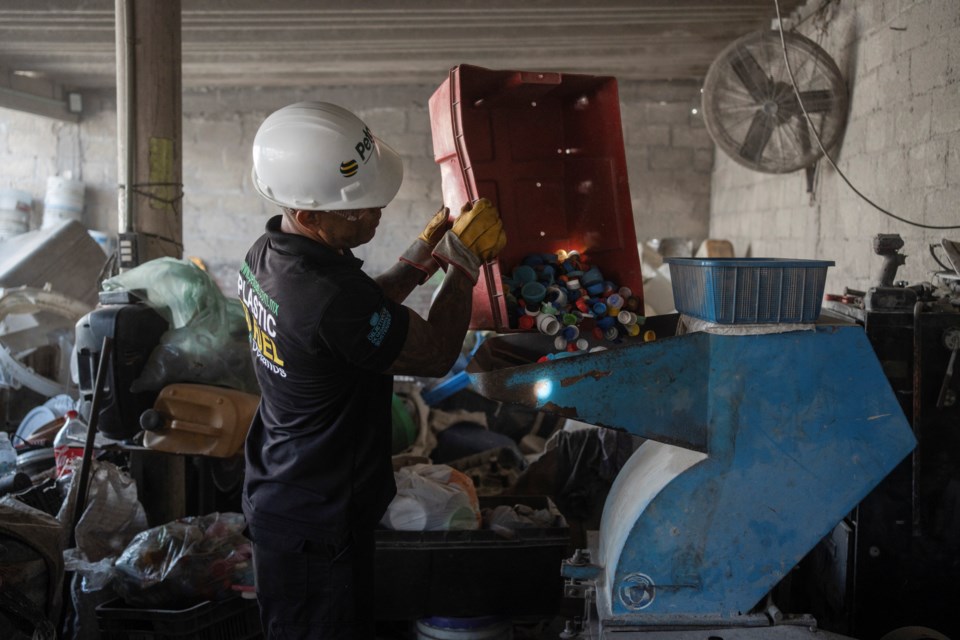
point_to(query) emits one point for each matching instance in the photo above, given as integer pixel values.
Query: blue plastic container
(749, 290)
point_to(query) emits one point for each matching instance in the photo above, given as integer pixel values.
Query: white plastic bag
(432, 497)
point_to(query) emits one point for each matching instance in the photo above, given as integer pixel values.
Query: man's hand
(480, 229)
(476, 237)
(418, 254)
(437, 226)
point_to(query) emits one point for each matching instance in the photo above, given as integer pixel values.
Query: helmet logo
(364, 146)
(348, 169)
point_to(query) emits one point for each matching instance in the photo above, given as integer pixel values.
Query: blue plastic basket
(749, 290)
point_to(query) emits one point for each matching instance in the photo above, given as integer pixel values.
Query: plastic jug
(8, 456)
(197, 419)
(69, 442)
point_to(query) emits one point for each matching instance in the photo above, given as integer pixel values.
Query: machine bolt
(949, 398)
(580, 556)
(951, 338)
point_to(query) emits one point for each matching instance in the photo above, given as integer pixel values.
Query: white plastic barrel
(16, 207)
(464, 629)
(63, 201)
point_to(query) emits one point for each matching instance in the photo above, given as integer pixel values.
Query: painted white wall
(901, 60)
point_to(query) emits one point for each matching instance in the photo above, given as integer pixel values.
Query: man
(326, 339)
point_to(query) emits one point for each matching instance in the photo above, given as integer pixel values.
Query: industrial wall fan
(751, 110)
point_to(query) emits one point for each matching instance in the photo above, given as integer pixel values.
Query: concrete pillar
(149, 130)
(150, 178)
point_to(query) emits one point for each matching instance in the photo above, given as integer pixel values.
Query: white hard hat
(317, 156)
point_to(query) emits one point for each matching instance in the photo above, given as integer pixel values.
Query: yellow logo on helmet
(349, 168)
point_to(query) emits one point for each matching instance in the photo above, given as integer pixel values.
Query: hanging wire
(816, 136)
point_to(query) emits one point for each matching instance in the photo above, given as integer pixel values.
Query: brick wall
(34, 148)
(669, 159)
(901, 147)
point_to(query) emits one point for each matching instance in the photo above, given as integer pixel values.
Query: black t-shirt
(321, 334)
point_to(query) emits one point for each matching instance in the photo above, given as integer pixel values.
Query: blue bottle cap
(533, 293)
(524, 274)
(606, 322)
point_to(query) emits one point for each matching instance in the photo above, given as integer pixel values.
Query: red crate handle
(488, 274)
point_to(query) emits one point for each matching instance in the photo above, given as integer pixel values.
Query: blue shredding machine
(757, 447)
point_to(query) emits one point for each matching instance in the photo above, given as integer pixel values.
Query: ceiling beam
(38, 96)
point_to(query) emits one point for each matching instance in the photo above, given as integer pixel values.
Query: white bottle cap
(548, 324)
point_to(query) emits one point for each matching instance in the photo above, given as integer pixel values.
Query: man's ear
(307, 219)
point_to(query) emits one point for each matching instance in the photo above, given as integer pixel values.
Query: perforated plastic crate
(233, 619)
(749, 290)
(470, 573)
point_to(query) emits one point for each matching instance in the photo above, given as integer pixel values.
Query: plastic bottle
(8, 456)
(69, 442)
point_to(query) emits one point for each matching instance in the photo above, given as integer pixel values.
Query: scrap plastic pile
(563, 295)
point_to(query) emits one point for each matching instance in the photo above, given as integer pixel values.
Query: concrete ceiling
(308, 43)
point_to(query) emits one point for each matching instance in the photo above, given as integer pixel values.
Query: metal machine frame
(757, 446)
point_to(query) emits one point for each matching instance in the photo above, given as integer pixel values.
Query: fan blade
(751, 75)
(818, 101)
(758, 135)
(804, 135)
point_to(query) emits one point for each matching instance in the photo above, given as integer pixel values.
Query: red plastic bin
(547, 149)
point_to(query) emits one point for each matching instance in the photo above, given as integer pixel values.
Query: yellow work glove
(476, 237)
(438, 225)
(419, 254)
(480, 229)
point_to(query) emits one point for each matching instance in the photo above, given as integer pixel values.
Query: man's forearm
(399, 280)
(433, 345)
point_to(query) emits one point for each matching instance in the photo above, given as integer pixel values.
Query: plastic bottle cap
(606, 322)
(573, 284)
(533, 294)
(592, 276)
(582, 344)
(599, 309)
(627, 318)
(571, 332)
(625, 292)
(611, 334)
(614, 303)
(547, 274)
(526, 322)
(556, 295)
(559, 343)
(633, 330)
(548, 324)
(649, 335)
(569, 319)
(524, 274)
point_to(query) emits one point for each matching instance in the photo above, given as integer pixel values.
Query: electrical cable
(816, 135)
(933, 253)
